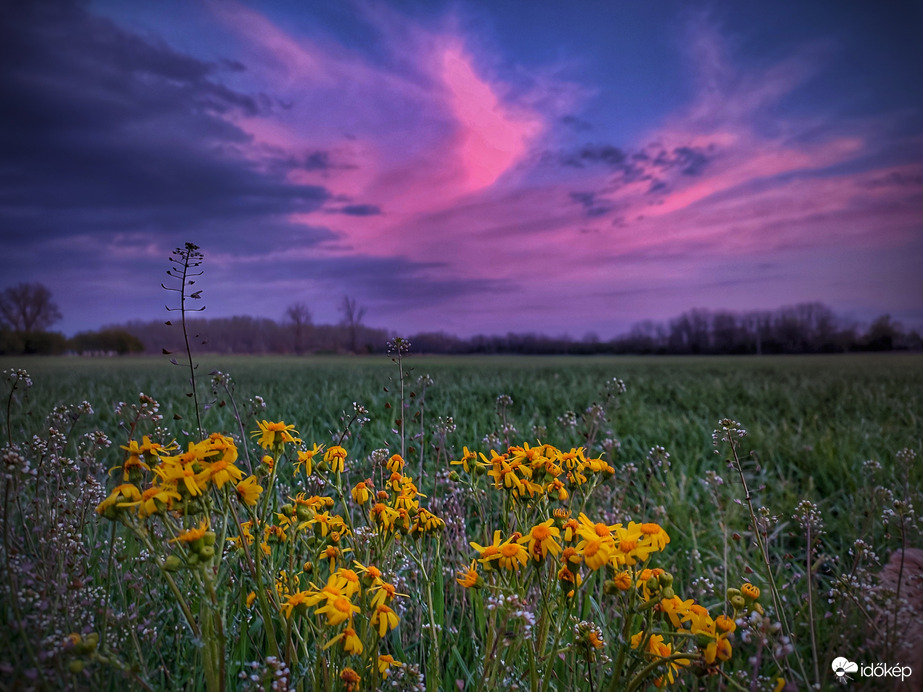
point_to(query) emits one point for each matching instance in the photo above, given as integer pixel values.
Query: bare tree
(28, 308)
(299, 317)
(352, 318)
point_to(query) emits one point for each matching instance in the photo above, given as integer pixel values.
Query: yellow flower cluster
(577, 541)
(543, 470)
(397, 508)
(175, 478)
(349, 592)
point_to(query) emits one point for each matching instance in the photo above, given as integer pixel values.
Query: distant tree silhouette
(299, 317)
(28, 308)
(352, 319)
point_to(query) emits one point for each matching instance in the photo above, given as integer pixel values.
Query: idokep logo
(842, 667)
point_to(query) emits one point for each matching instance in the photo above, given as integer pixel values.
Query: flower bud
(668, 592)
(207, 553)
(75, 666)
(304, 513)
(90, 642)
(666, 579)
(173, 563)
(738, 602)
(750, 591)
(209, 538)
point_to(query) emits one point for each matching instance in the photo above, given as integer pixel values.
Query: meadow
(806, 506)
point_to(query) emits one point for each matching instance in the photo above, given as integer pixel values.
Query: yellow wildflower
(335, 456)
(350, 679)
(351, 642)
(192, 535)
(466, 461)
(512, 555)
(305, 457)
(541, 540)
(338, 610)
(469, 578)
(384, 618)
(248, 490)
(386, 661)
(361, 493)
(395, 463)
(274, 434)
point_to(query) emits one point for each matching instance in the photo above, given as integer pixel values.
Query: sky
(474, 166)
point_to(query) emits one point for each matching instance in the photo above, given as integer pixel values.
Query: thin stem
(810, 573)
(192, 379)
(764, 554)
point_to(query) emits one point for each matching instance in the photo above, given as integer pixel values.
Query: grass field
(812, 423)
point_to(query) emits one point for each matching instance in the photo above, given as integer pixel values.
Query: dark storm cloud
(688, 160)
(360, 210)
(636, 165)
(392, 280)
(103, 131)
(595, 154)
(591, 203)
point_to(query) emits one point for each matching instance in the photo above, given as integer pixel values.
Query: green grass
(811, 418)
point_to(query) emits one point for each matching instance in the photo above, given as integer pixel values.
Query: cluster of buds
(746, 598)
(199, 549)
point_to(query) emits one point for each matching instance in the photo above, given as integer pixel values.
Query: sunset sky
(470, 166)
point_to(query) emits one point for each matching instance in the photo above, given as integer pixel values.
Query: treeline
(244, 335)
(804, 328)
(105, 342)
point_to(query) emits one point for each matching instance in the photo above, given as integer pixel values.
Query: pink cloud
(490, 138)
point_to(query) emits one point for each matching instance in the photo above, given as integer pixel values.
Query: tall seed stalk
(185, 260)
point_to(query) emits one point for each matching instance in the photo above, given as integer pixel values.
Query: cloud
(105, 131)
(360, 210)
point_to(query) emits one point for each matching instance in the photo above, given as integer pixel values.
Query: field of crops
(812, 425)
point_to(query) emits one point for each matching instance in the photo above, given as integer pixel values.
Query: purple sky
(467, 166)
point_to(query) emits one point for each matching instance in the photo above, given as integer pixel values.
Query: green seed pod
(173, 563)
(304, 513)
